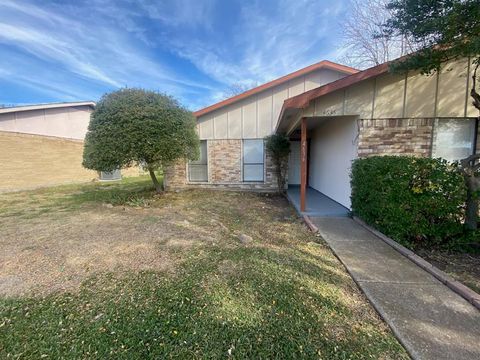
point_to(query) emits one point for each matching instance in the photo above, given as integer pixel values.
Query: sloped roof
(325, 64)
(302, 101)
(45, 106)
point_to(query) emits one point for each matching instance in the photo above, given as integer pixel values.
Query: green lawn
(157, 276)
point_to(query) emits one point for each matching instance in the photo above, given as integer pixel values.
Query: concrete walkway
(429, 319)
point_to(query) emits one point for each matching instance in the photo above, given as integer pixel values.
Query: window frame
(436, 125)
(194, 163)
(256, 163)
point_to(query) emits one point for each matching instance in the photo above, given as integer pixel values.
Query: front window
(454, 139)
(198, 169)
(253, 160)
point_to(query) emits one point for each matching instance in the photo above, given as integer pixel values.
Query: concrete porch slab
(428, 318)
(317, 204)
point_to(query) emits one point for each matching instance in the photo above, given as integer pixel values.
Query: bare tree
(360, 30)
(238, 88)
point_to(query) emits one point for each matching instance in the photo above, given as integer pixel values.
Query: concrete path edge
(411, 352)
(456, 286)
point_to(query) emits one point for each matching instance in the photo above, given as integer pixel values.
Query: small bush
(278, 146)
(419, 202)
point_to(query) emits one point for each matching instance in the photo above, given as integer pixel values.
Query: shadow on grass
(243, 302)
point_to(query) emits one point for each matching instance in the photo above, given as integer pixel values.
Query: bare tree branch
(360, 30)
(238, 88)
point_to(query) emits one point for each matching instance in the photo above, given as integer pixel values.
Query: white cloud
(84, 48)
(93, 50)
(270, 41)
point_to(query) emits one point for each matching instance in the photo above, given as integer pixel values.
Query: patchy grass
(461, 266)
(116, 271)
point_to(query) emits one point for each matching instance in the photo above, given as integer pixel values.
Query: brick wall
(225, 161)
(395, 137)
(224, 170)
(175, 176)
(30, 161)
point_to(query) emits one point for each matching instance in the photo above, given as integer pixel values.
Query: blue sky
(62, 50)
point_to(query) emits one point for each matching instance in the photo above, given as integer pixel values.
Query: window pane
(253, 172)
(197, 172)
(110, 175)
(453, 138)
(253, 151)
(203, 154)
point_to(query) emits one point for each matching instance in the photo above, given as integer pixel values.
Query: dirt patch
(54, 239)
(463, 267)
(51, 253)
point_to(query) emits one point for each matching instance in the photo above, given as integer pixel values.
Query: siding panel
(250, 118)
(330, 104)
(296, 87)
(452, 89)
(235, 122)
(420, 100)
(221, 125)
(389, 96)
(264, 113)
(206, 127)
(359, 99)
(279, 95)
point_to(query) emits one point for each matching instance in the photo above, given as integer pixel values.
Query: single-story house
(42, 145)
(332, 114)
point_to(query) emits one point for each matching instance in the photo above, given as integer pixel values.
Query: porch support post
(303, 164)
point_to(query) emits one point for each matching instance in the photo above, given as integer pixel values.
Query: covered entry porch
(322, 150)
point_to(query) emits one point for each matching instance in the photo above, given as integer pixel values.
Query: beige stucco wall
(64, 122)
(444, 94)
(332, 149)
(256, 116)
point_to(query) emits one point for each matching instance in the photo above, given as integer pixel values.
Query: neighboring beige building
(359, 114)
(42, 145)
(63, 120)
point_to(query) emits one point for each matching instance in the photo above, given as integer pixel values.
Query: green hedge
(419, 202)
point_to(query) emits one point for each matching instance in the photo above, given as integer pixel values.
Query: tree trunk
(158, 186)
(471, 212)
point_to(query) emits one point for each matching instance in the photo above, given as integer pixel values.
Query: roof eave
(302, 101)
(325, 64)
(46, 106)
